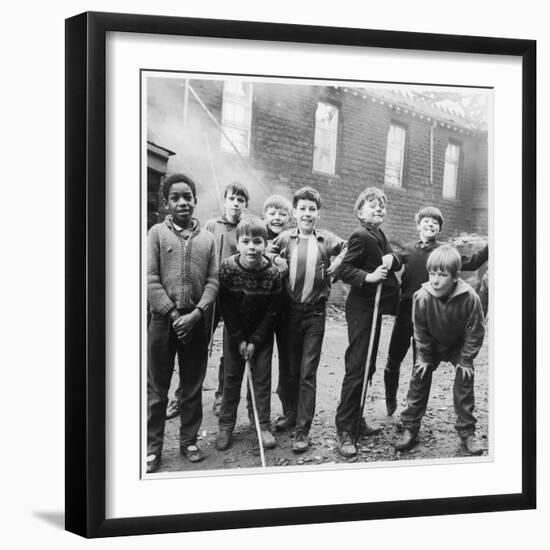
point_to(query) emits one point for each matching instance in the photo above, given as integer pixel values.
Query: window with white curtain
(450, 176)
(237, 116)
(326, 138)
(395, 156)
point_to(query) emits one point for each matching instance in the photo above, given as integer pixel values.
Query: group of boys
(268, 281)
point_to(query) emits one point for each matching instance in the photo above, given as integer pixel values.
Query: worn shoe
(472, 445)
(369, 429)
(153, 463)
(217, 405)
(192, 453)
(301, 443)
(223, 440)
(173, 409)
(285, 422)
(268, 441)
(346, 446)
(406, 441)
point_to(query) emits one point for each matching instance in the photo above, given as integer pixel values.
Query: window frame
(228, 98)
(336, 139)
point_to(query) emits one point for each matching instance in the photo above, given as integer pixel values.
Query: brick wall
(283, 124)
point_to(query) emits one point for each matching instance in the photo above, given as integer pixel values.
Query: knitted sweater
(415, 255)
(182, 268)
(448, 329)
(222, 226)
(249, 300)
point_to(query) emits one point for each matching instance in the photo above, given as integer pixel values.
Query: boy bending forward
(448, 326)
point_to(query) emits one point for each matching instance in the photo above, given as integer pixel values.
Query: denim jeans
(261, 378)
(305, 329)
(417, 402)
(162, 347)
(359, 321)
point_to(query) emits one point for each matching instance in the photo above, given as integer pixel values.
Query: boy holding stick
(368, 262)
(250, 292)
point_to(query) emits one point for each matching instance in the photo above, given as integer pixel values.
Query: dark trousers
(359, 328)
(417, 402)
(162, 347)
(261, 378)
(284, 369)
(401, 335)
(305, 329)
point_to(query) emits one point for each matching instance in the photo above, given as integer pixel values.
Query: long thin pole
(369, 355)
(213, 118)
(186, 104)
(255, 410)
(212, 322)
(219, 195)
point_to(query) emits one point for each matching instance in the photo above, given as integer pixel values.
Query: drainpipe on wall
(432, 128)
(185, 103)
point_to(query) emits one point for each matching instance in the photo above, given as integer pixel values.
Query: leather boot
(391, 381)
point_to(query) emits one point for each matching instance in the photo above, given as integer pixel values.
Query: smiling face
(306, 215)
(234, 205)
(181, 203)
(251, 250)
(442, 282)
(276, 219)
(373, 211)
(428, 228)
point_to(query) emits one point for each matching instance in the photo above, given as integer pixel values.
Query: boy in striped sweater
(308, 252)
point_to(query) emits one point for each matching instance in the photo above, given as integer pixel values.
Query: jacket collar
(294, 233)
(194, 228)
(461, 287)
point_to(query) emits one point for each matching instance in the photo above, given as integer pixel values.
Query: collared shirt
(308, 257)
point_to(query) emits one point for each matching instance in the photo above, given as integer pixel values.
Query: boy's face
(181, 203)
(442, 282)
(233, 205)
(306, 215)
(373, 211)
(276, 219)
(251, 250)
(428, 228)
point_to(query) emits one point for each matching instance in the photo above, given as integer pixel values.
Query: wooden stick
(255, 410)
(214, 304)
(369, 355)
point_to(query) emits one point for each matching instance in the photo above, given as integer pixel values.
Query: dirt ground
(437, 438)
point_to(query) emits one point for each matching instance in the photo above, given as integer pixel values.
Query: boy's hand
(243, 349)
(387, 261)
(467, 372)
(281, 264)
(184, 325)
(334, 267)
(379, 274)
(250, 349)
(421, 369)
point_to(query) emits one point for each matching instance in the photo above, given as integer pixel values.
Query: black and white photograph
(315, 283)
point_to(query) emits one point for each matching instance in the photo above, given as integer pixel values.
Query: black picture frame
(86, 273)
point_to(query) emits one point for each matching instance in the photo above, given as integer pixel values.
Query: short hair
(306, 194)
(429, 212)
(251, 227)
(237, 188)
(177, 178)
(445, 258)
(369, 194)
(279, 202)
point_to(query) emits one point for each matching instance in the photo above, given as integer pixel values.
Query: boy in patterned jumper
(250, 293)
(182, 284)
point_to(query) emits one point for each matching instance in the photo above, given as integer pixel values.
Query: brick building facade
(278, 142)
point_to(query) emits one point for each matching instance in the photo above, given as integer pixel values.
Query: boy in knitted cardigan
(182, 284)
(250, 292)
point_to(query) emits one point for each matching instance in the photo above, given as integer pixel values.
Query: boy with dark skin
(181, 289)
